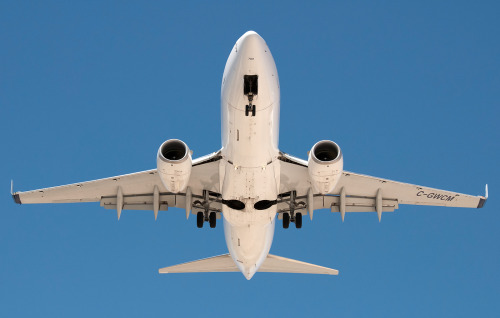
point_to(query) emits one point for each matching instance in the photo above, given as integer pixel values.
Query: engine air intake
(173, 150)
(326, 151)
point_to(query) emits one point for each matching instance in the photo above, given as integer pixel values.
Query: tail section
(272, 264)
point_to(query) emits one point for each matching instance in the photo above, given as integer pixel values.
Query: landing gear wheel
(286, 220)
(212, 219)
(298, 220)
(253, 110)
(199, 219)
(247, 110)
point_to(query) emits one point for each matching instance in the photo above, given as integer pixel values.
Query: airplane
(249, 183)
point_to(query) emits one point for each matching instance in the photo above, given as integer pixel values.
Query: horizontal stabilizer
(224, 263)
(220, 263)
(278, 264)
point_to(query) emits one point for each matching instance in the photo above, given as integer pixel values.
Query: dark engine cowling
(174, 165)
(325, 164)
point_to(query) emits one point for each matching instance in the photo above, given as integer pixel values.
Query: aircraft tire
(199, 219)
(286, 220)
(212, 218)
(298, 220)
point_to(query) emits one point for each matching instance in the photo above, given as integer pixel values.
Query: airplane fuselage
(250, 170)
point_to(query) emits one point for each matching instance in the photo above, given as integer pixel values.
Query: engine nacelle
(174, 165)
(325, 166)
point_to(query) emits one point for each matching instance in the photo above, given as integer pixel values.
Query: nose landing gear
(249, 108)
(250, 89)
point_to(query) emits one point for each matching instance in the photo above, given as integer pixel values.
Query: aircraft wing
(362, 193)
(137, 191)
(405, 193)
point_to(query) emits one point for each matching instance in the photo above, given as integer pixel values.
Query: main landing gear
(297, 219)
(211, 218)
(207, 215)
(291, 215)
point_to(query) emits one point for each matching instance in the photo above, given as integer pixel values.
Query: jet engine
(174, 165)
(325, 166)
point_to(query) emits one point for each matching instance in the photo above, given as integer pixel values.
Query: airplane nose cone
(249, 35)
(250, 41)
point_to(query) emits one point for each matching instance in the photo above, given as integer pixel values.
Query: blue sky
(409, 90)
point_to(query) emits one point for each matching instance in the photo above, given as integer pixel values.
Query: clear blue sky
(410, 91)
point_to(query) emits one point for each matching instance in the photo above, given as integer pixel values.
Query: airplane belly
(249, 232)
(249, 244)
(252, 141)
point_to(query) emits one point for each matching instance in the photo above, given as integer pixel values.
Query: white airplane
(249, 181)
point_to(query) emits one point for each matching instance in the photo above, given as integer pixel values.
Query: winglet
(482, 200)
(15, 196)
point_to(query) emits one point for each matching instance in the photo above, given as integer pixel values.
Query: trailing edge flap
(272, 264)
